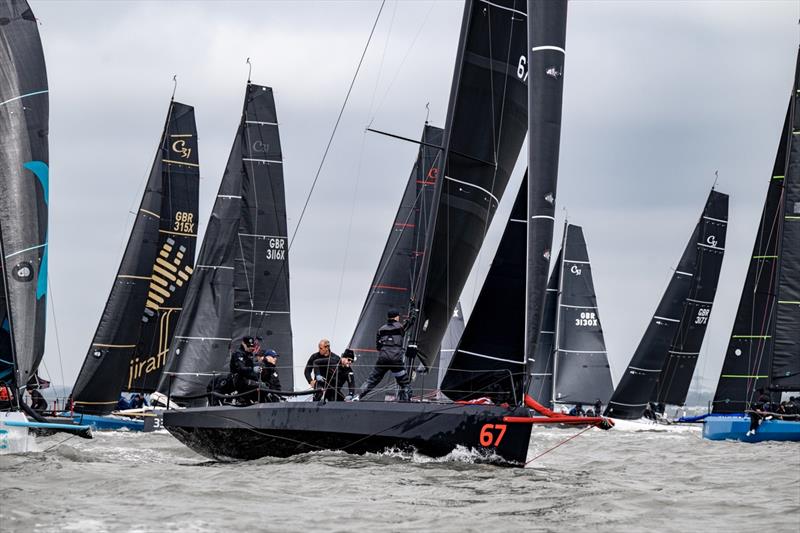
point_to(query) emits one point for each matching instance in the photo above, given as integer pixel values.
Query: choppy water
(610, 481)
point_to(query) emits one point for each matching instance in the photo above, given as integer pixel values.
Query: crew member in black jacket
(331, 374)
(389, 342)
(266, 366)
(245, 377)
(323, 352)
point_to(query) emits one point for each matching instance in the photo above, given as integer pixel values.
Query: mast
(24, 184)
(547, 26)
(487, 100)
(241, 282)
(556, 339)
(638, 384)
(761, 354)
(128, 344)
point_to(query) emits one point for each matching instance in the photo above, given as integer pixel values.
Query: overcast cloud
(658, 95)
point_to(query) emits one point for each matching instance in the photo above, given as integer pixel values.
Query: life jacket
(4, 395)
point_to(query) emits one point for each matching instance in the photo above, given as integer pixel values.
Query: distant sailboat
(129, 348)
(764, 349)
(241, 282)
(24, 221)
(675, 334)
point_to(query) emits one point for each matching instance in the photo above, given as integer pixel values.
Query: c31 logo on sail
(712, 241)
(260, 146)
(179, 147)
(575, 270)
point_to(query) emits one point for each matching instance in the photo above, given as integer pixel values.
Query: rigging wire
(336, 126)
(55, 328)
(358, 175)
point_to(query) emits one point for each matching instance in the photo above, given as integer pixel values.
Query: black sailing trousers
(389, 362)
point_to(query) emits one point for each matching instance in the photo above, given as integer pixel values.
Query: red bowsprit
(551, 417)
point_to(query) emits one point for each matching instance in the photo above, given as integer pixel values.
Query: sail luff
(547, 23)
(147, 278)
(24, 183)
(7, 355)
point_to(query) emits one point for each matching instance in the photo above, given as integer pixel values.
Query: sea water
(598, 481)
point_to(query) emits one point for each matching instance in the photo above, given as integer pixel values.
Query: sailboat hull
(291, 428)
(735, 427)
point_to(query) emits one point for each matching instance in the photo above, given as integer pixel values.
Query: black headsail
(484, 131)
(763, 350)
(540, 366)
(400, 264)
(489, 360)
(24, 183)
(128, 350)
(580, 362)
(676, 312)
(241, 283)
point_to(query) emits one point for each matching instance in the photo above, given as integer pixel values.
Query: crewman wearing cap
(268, 361)
(391, 352)
(331, 374)
(244, 375)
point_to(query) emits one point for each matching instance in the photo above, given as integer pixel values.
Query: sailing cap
(392, 313)
(272, 353)
(349, 354)
(250, 342)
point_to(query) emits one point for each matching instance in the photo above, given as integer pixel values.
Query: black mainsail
(764, 350)
(580, 362)
(241, 281)
(24, 184)
(680, 311)
(489, 360)
(129, 347)
(400, 264)
(484, 131)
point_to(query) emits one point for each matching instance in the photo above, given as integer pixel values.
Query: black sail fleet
(676, 330)
(763, 351)
(24, 185)
(129, 348)
(241, 281)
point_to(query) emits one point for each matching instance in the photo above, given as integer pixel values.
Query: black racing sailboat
(401, 262)
(129, 348)
(764, 349)
(663, 364)
(491, 51)
(24, 222)
(241, 282)
(578, 359)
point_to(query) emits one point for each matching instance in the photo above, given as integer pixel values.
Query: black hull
(291, 428)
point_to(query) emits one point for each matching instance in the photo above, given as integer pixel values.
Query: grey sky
(657, 96)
